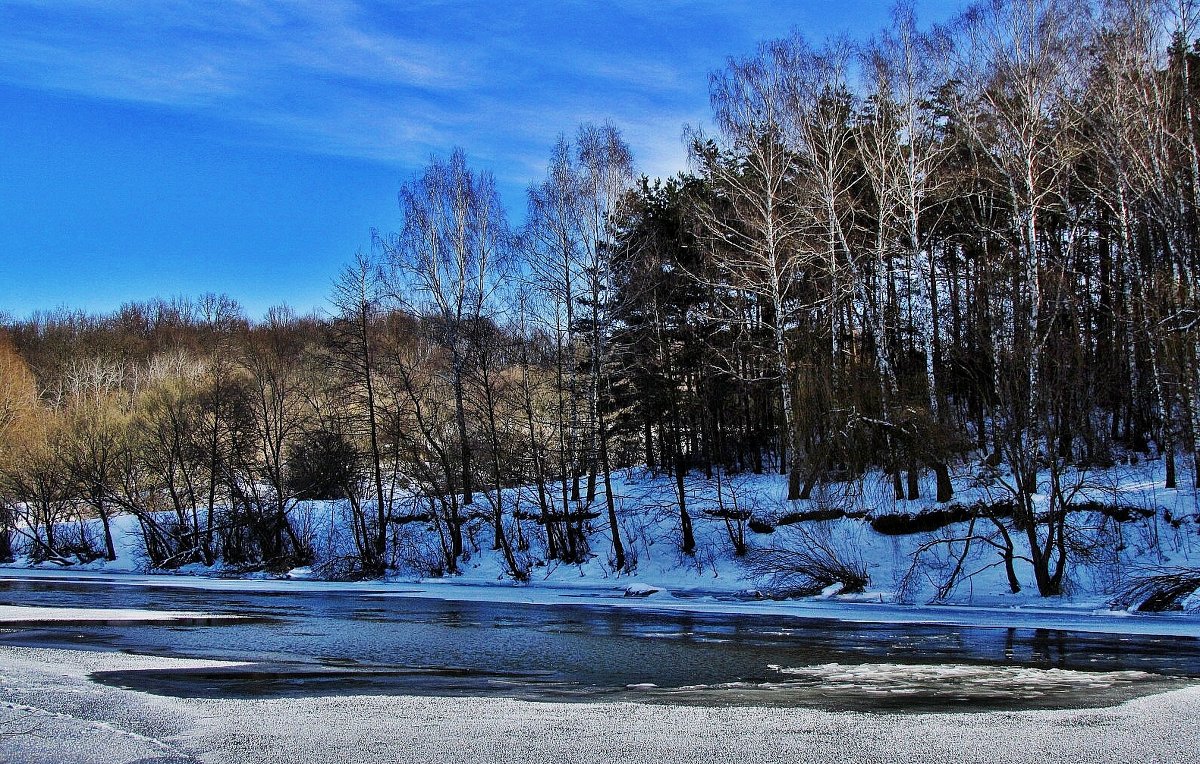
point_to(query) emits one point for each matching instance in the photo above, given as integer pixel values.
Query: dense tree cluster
(975, 244)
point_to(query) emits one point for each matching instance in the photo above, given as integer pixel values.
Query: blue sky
(184, 146)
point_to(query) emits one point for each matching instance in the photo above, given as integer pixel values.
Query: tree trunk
(460, 416)
(945, 489)
(609, 499)
(110, 551)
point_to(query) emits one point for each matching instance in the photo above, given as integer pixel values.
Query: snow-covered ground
(1107, 556)
(50, 712)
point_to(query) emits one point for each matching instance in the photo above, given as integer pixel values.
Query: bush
(904, 524)
(759, 525)
(1122, 513)
(807, 566)
(1159, 592)
(816, 515)
(322, 466)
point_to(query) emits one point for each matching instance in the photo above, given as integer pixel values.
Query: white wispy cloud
(336, 77)
(238, 56)
(395, 82)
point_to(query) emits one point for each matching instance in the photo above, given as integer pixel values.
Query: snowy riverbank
(1161, 531)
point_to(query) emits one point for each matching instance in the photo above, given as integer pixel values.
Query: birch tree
(755, 232)
(448, 266)
(1022, 63)
(358, 299)
(903, 160)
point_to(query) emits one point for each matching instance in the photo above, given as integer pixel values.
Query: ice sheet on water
(965, 679)
(30, 614)
(639, 589)
(882, 687)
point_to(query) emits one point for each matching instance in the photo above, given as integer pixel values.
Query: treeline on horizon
(973, 246)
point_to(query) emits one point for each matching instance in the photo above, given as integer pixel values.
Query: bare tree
(552, 250)
(358, 299)
(756, 234)
(449, 262)
(1143, 110)
(1022, 64)
(274, 406)
(904, 152)
(224, 319)
(89, 452)
(569, 239)
(605, 172)
(18, 405)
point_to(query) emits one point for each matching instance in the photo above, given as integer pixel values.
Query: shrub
(808, 565)
(1165, 590)
(814, 515)
(759, 525)
(322, 466)
(904, 524)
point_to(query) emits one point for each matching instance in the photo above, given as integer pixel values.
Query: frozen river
(318, 644)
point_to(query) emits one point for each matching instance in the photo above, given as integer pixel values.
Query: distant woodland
(975, 244)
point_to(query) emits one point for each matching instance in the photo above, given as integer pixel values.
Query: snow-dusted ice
(95, 723)
(23, 614)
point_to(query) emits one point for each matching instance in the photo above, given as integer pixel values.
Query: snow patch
(641, 590)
